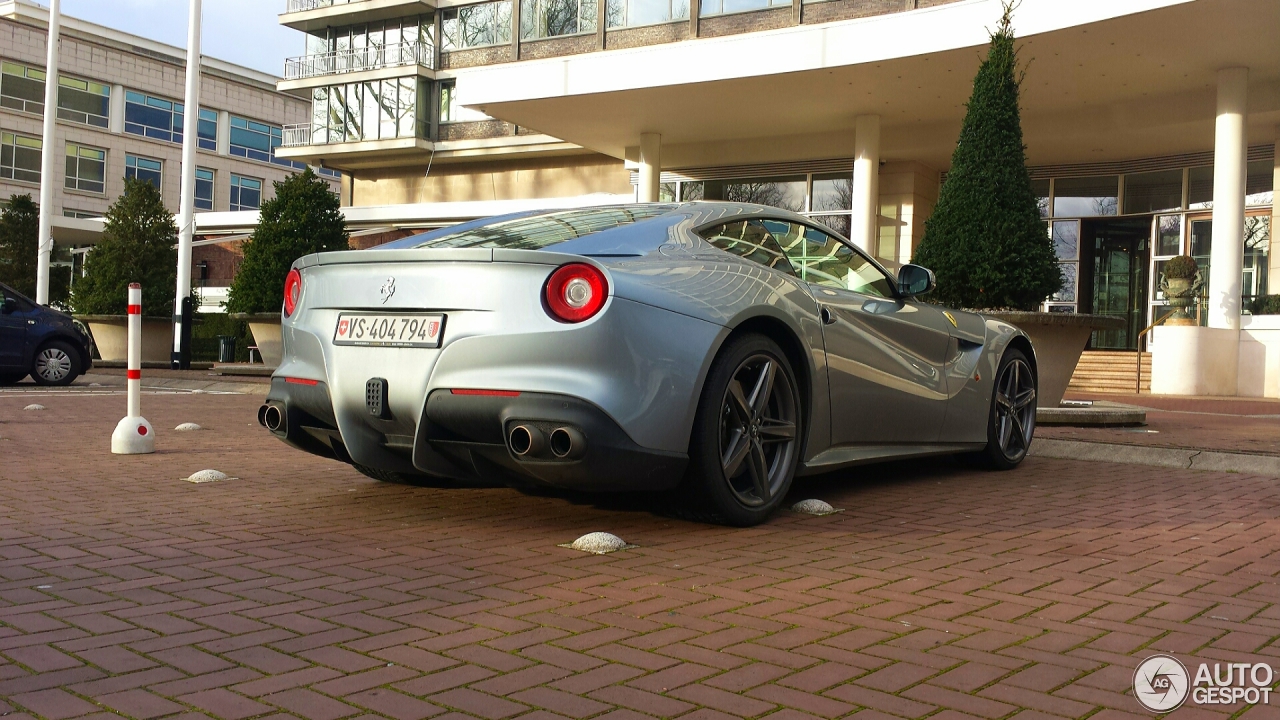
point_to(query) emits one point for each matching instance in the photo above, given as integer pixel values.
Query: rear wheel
(56, 363)
(1012, 420)
(746, 435)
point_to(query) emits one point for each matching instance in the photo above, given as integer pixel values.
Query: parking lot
(301, 587)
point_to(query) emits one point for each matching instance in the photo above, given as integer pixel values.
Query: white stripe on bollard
(133, 434)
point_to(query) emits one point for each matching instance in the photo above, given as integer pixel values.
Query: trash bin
(226, 348)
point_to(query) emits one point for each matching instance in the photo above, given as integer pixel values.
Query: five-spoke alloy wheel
(1013, 411)
(748, 431)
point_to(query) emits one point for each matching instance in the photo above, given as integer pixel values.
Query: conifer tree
(986, 242)
(304, 217)
(139, 244)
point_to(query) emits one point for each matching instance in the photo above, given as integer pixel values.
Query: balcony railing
(297, 135)
(305, 5)
(356, 59)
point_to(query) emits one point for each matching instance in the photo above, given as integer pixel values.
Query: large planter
(1058, 339)
(266, 335)
(111, 336)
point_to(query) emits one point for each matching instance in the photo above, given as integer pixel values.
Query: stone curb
(174, 384)
(1185, 458)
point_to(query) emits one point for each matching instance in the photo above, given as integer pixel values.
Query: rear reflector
(491, 393)
(301, 381)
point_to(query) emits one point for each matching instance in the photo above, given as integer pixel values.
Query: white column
(115, 123)
(866, 183)
(49, 154)
(650, 166)
(224, 133)
(1273, 276)
(1227, 256)
(187, 205)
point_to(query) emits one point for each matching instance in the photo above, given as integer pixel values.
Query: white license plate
(384, 330)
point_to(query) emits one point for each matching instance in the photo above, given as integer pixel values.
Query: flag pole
(48, 155)
(182, 310)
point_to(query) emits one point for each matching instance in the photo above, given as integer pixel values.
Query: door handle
(828, 317)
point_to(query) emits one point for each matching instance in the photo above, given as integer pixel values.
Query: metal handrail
(337, 62)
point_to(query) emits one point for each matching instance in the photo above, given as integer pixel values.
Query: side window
(824, 260)
(749, 239)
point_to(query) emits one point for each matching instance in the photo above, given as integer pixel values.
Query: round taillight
(292, 291)
(575, 292)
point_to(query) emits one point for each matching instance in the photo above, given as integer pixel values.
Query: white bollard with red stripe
(133, 435)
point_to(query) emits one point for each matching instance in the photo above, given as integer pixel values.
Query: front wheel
(55, 364)
(1012, 419)
(747, 433)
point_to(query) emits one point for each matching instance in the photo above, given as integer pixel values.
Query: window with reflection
(453, 111)
(84, 101)
(634, 13)
(1085, 197)
(374, 110)
(1258, 188)
(1067, 293)
(1041, 189)
(20, 157)
(724, 7)
(786, 193)
(1200, 188)
(832, 193)
(749, 239)
(1066, 239)
(204, 189)
(145, 169)
(479, 25)
(1153, 191)
(1257, 249)
(553, 18)
(86, 168)
(1168, 235)
(821, 259)
(21, 87)
(246, 193)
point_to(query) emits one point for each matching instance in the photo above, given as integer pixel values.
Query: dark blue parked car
(39, 341)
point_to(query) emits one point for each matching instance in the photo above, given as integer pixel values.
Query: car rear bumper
(467, 437)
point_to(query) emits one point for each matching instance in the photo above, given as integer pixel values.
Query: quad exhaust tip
(567, 443)
(527, 441)
(270, 417)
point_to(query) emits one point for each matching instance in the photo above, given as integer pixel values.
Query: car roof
(644, 232)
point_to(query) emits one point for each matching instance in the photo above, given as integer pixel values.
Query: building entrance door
(1118, 253)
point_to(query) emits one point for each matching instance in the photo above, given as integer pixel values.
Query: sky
(245, 32)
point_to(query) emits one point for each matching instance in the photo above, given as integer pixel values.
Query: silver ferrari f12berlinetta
(715, 349)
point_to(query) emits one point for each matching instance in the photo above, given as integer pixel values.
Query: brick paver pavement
(303, 589)
(1222, 424)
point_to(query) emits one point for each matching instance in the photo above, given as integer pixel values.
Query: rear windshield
(540, 231)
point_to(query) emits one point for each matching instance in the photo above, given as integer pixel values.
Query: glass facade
(204, 189)
(246, 193)
(84, 101)
(724, 7)
(473, 26)
(160, 119)
(86, 168)
(553, 18)
(391, 43)
(377, 110)
(1085, 197)
(145, 169)
(634, 13)
(20, 157)
(258, 141)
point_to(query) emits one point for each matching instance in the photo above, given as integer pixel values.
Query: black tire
(747, 434)
(1011, 422)
(11, 379)
(56, 363)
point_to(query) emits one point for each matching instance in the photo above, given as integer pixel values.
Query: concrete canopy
(1105, 80)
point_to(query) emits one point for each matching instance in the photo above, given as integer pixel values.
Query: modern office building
(1150, 124)
(120, 114)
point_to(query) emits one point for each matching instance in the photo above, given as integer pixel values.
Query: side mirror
(914, 280)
